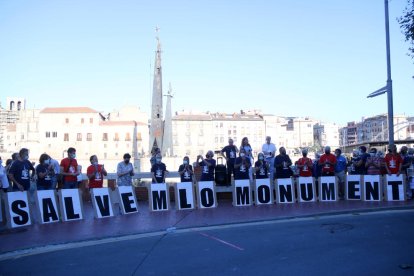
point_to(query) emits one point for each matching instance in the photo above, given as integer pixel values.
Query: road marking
(221, 241)
(51, 248)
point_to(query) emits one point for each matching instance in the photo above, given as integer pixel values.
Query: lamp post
(388, 87)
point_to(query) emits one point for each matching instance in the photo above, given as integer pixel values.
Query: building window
(127, 137)
(116, 138)
(91, 120)
(105, 137)
(215, 139)
(82, 120)
(66, 137)
(89, 137)
(67, 120)
(105, 155)
(22, 137)
(47, 134)
(54, 134)
(104, 146)
(139, 136)
(221, 139)
(79, 137)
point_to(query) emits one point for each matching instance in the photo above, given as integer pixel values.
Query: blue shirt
(207, 174)
(340, 164)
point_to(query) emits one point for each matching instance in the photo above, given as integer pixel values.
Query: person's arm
(104, 172)
(400, 168)
(237, 164)
(19, 186)
(41, 175)
(90, 172)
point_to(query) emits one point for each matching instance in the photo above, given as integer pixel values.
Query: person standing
(208, 164)
(242, 166)
(261, 167)
(44, 172)
(304, 164)
(19, 172)
(340, 172)
(69, 170)
(360, 167)
(95, 173)
(4, 181)
(249, 154)
(282, 164)
(328, 162)
(230, 153)
(373, 164)
(393, 161)
(158, 170)
(269, 151)
(125, 171)
(186, 170)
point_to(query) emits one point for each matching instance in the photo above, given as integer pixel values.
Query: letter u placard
(306, 189)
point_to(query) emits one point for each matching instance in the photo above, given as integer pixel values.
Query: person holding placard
(282, 164)
(230, 152)
(393, 161)
(44, 173)
(4, 182)
(328, 162)
(125, 171)
(69, 170)
(242, 166)
(208, 165)
(186, 170)
(373, 163)
(261, 167)
(304, 164)
(95, 173)
(158, 170)
(19, 172)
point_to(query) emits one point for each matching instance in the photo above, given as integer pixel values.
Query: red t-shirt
(328, 168)
(97, 180)
(393, 162)
(306, 170)
(69, 166)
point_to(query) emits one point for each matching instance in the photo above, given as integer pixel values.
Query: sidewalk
(145, 221)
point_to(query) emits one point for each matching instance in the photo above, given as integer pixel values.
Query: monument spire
(156, 122)
(167, 145)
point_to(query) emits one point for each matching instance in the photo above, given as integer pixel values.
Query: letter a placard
(184, 196)
(159, 197)
(102, 203)
(263, 192)
(18, 214)
(306, 189)
(127, 200)
(285, 191)
(395, 188)
(47, 206)
(206, 195)
(242, 193)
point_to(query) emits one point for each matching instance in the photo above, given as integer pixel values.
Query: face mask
(372, 154)
(158, 160)
(242, 154)
(185, 162)
(95, 163)
(73, 155)
(126, 161)
(207, 156)
(26, 157)
(47, 162)
(260, 157)
(327, 152)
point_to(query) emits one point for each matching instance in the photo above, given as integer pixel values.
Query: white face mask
(242, 154)
(260, 157)
(47, 162)
(73, 155)
(95, 163)
(158, 160)
(185, 162)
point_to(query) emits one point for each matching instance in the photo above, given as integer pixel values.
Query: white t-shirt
(269, 150)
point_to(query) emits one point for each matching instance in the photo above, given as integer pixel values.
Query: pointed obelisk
(156, 123)
(167, 145)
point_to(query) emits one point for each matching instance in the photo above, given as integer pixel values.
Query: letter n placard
(263, 192)
(71, 207)
(102, 203)
(306, 189)
(159, 197)
(395, 188)
(206, 195)
(47, 206)
(353, 187)
(127, 200)
(184, 196)
(328, 189)
(372, 188)
(242, 195)
(18, 212)
(285, 190)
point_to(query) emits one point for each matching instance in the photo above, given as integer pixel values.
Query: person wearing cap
(393, 161)
(340, 172)
(158, 170)
(328, 162)
(125, 171)
(208, 164)
(304, 164)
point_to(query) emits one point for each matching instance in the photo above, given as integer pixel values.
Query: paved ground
(373, 243)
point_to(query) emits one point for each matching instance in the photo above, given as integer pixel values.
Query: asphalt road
(357, 244)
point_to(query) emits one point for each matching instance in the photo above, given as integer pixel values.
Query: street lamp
(388, 88)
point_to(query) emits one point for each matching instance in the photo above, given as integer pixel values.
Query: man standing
(19, 171)
(282, 164)
(125, 171)
(269, 151)
(340, 172)
(95, 173)
(158, 170)
(393, 161)
(304, 164)
(69, 170)
(328, 162)
(229, 153)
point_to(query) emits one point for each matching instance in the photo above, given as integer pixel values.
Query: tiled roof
(68, 110)
(121, 123)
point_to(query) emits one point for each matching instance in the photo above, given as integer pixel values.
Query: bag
(220, 173)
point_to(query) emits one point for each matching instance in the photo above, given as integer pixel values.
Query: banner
(328, 189)
(70, 204)
(127, 200)
(159, 197)
(395, 188)
(18, 211)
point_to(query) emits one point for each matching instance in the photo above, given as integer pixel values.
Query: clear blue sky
(318, 58)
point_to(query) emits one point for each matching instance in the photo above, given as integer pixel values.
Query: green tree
(406, 22)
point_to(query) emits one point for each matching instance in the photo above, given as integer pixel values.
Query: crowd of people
(240, 164)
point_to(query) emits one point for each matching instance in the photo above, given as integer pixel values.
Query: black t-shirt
(243, 171)
(262, 172)
(230, 153)
(284, 171)
(188, 173)
(207, 173)
(159, 170)
(46, 181)
(21, 172)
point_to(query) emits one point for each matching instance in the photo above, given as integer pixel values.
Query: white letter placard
(285, 190)
(206, 195)
(18, 213)
(102, 203)
(127, 200)
(306, 189)
(395, 188)
(159, 197)
(70, 204)
(47, 206)
(242, 193)
(328, 189)
(184, 196)
(263, 192)
(353, 187)
(372, 188)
